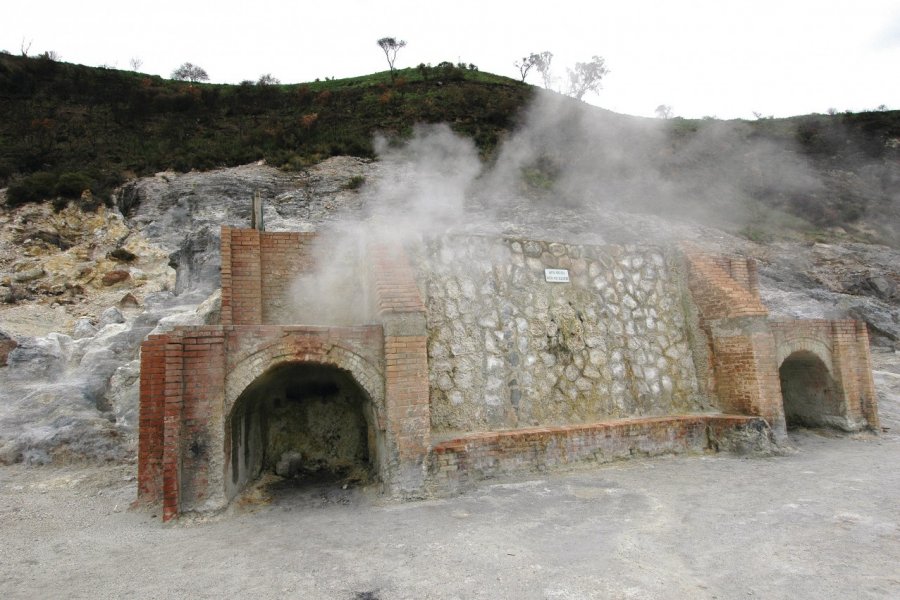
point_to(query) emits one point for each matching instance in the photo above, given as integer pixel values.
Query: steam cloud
(571, 172)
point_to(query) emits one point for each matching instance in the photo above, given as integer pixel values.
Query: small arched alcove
(811, 396)
(301, 420)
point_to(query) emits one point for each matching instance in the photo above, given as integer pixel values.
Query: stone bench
(458, 463)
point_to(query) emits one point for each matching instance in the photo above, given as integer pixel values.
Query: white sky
(718, 58)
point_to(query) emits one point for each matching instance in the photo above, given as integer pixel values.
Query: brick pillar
(407, 403)
(868, 399)
(745, 368)
(241, 277)
(853, 372)
(226, 317)
(200, 480)
(150, 423)
(173, 390)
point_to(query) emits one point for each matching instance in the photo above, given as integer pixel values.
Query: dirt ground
(822, 521)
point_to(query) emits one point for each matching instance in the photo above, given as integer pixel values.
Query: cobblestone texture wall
(508, 349)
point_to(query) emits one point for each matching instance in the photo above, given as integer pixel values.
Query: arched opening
(302, 421)
(811, 397)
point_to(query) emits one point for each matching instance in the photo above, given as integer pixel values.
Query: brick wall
(717, 293)
(747, 378)
(456, 464)
(182, 385)
(203, 354)
(843, 346)
(742, 348)
(190, 378)
(173, 390)
(252, 350)
(151, 420)
(241, 277)
(258, 269)
(408, 409)
(283, 256)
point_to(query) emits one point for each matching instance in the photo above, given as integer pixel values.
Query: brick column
(173, 391)
(226, 317)
(151, 425)
(200, 481)
(853, 371)
(407, 403)
(868, 397)
(241, 277)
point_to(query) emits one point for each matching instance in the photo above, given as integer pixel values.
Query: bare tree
(391, 47)
(586, 77)
(539, 61)
(25, 47)
(267, 79)
(190, 72)
(525, 65)
(664, 111)
(136, 63)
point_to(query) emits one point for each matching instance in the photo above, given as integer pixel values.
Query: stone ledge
(458, 463)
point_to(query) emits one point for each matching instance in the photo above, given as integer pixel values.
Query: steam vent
(461, 358)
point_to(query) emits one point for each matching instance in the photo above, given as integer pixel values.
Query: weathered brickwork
(741, 346)
(639, 353)
(258, 269)
(401, 310)
(747, 349)
(151, 428)
(190, 379)
(241, 277)
(460, 462)
(843, 347)
(283, 255)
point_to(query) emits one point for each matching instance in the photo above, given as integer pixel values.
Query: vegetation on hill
(68, 125)
(67, 128)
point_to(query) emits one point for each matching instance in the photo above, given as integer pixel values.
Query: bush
(71, 185)
(355, 182)
(6, 170)
(36, 187)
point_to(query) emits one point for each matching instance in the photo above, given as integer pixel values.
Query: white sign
(556, 275)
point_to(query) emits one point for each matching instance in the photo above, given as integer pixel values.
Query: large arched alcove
(303, 420)
(811, 396)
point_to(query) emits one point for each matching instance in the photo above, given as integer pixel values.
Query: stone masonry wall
(507, 349)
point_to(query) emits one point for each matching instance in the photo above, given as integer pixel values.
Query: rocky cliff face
(80, 291)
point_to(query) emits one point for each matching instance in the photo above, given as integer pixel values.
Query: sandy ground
(823, 521)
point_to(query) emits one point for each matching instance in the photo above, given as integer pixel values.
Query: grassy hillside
(66, 128)
(100, 126)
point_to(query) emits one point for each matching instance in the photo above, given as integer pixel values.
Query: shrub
(6, 170)
(33, 188)
(324, 97)
(355, 182)
(71, 185)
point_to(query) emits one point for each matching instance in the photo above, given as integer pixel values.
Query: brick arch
(822, 350)
(251, 366)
